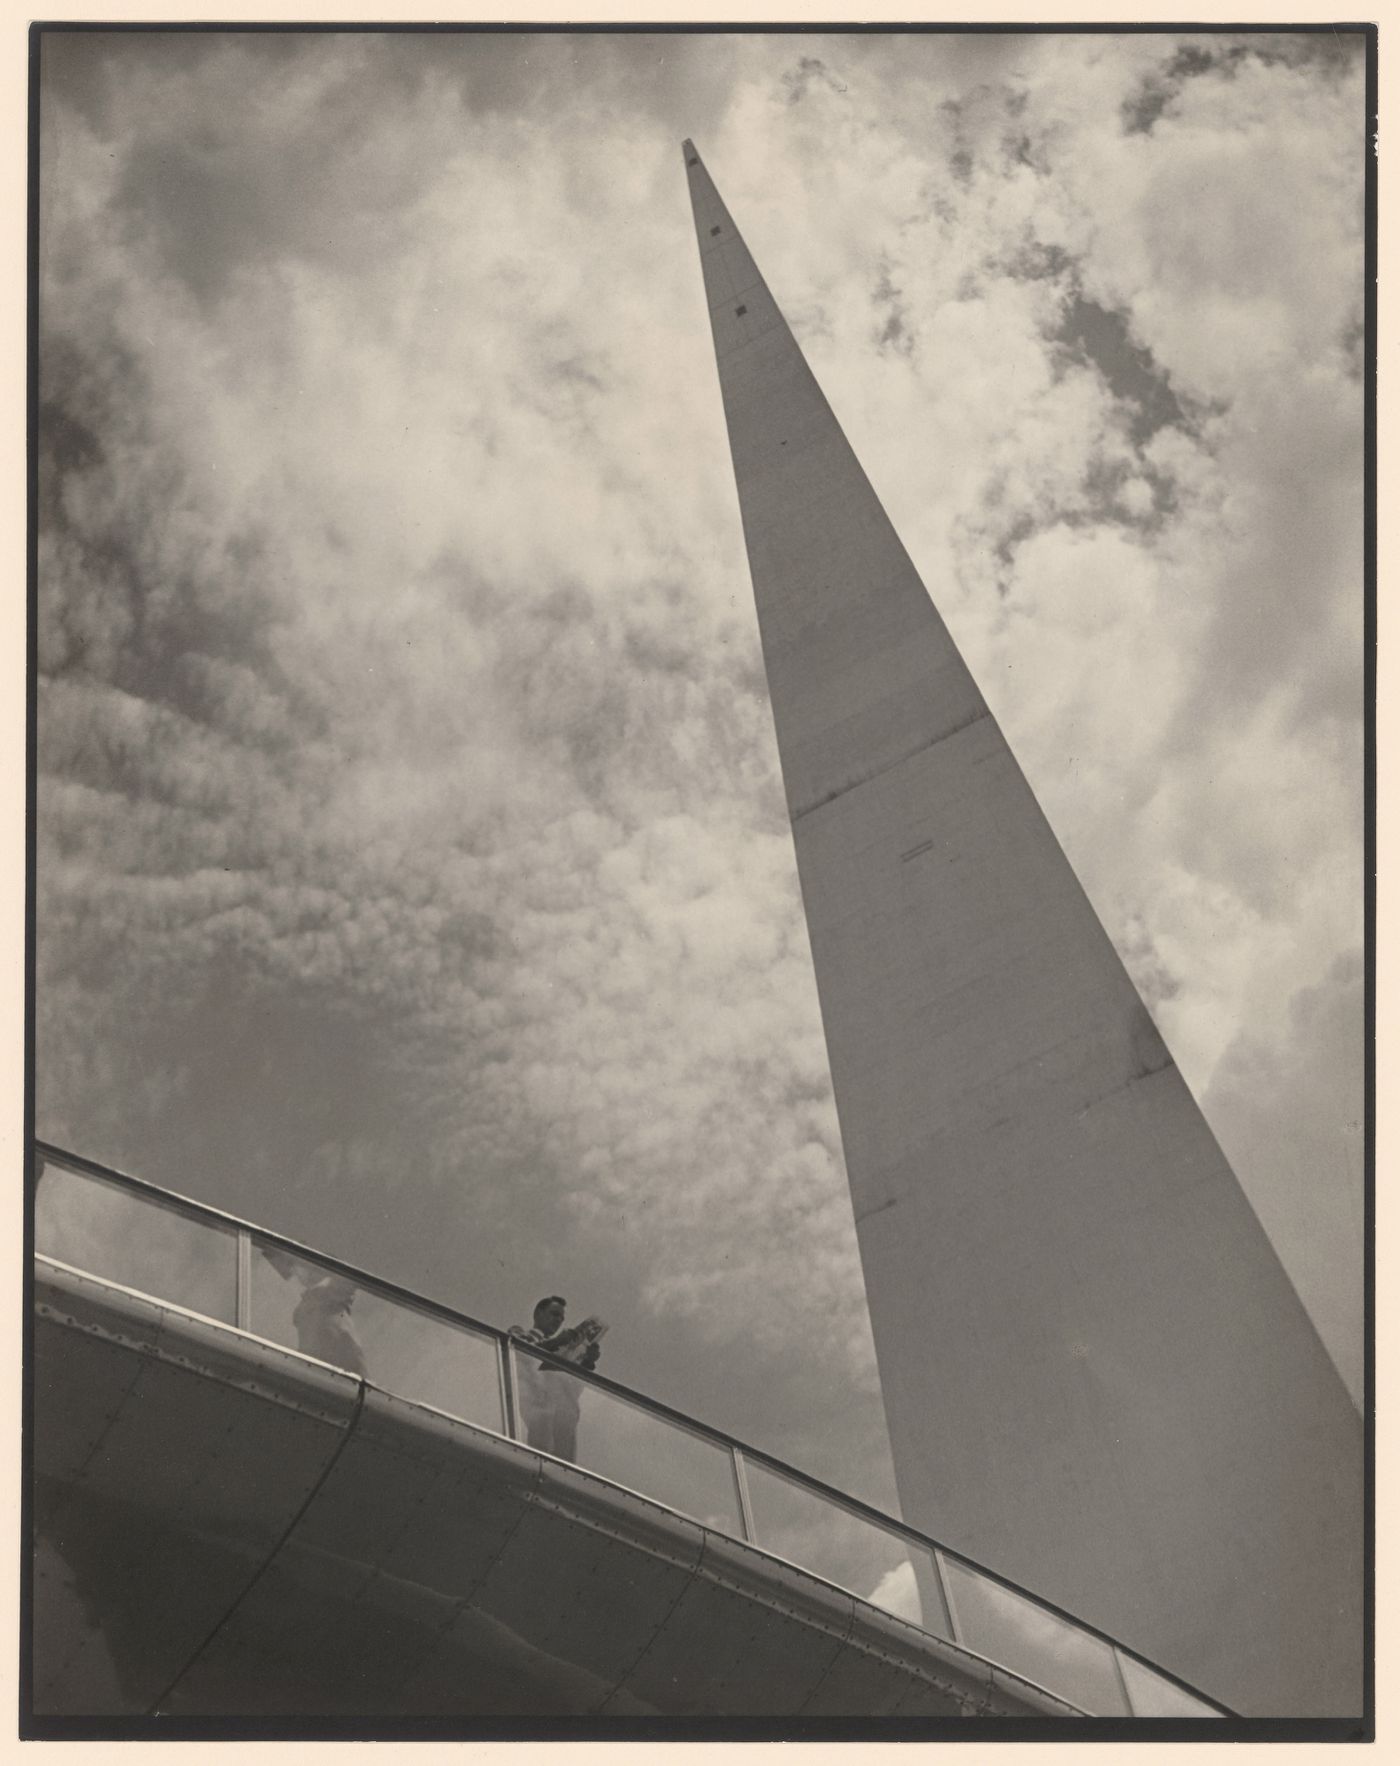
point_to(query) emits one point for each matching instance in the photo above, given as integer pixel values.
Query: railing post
(947, 1594)
(741, 1490)
(506, 1369)
(1122, 1679)
(243, 1295)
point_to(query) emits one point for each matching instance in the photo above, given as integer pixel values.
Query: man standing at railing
(549, 1396)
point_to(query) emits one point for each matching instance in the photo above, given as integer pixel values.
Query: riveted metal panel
(725, 1648)
(396, 1561)
(263, 1370)
(126, 1593)
(105, 1310)
(174, 1438)
(164, 1441)
(861, 1683)
(397, 1537)
(482, 1667)
(147, 1536)
(633, 1517)
(89, 1304)
(79, 1382)
(801, 1594)
(317, 1632)
(423, 1497)
(581, 1594)
(897, 1641)
(562, 1609)
(75, 1670)
(1009, 1693)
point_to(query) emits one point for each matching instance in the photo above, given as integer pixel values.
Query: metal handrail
(741, 1452)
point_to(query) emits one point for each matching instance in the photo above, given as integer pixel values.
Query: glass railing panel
(174, 1253)
(624, 1441)
(396, 1346)
(125, 1236)
(1153, 1696)
(808, 1528)
(1023, 1636)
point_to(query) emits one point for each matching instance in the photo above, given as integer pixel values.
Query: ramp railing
(183, 1253)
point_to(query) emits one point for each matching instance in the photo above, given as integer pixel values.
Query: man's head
(549, 1314)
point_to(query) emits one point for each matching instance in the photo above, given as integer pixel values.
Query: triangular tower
(1097, 1377)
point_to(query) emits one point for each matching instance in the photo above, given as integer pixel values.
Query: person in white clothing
(549, 1397)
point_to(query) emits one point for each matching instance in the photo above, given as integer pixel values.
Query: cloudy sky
(413, 869)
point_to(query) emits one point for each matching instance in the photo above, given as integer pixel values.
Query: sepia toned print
(476, 857)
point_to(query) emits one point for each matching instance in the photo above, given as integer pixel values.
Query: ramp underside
(1097, 1375)
(225, 1528)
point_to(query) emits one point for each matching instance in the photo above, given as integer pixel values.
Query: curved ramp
(226, 1527)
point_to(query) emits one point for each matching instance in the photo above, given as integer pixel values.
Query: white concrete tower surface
(1097, 1376)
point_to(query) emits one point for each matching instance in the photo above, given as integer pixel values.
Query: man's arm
(566, 1343)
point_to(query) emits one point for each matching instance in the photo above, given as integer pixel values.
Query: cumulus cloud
(413, 866)
(897, 1592)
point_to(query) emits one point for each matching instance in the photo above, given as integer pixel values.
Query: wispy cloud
(413, 864)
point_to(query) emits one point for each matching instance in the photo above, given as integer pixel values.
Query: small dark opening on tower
(692, 162)
(740, 311)
(713, 231)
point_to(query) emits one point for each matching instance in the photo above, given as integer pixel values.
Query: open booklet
(574, 1343)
